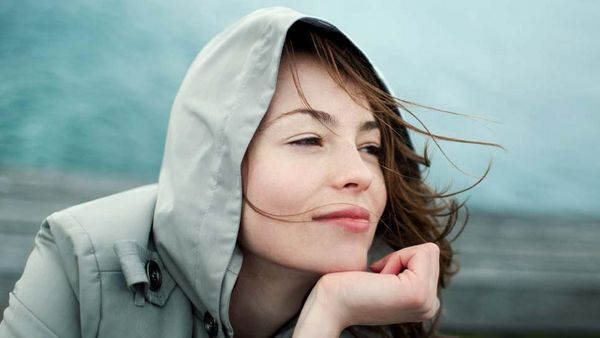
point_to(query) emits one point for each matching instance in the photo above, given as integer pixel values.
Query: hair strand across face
(415, 213)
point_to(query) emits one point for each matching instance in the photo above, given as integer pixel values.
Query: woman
(287, 169)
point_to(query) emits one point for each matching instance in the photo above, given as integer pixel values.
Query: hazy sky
(87, 85)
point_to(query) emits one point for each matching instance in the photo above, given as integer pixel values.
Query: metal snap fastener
(210, 325)
(154, 275)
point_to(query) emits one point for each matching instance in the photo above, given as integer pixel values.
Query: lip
(351, 219)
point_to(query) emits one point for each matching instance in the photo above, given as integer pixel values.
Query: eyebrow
(324, 118)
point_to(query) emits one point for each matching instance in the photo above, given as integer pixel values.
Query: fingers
(422, 259)
(394, 265)
(379, 264)
(421, 275)
(404, 289)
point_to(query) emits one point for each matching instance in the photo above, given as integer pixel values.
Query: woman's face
(318, 172)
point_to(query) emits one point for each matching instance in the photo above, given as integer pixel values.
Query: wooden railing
(518, 274)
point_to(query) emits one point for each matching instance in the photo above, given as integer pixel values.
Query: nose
(350, 171)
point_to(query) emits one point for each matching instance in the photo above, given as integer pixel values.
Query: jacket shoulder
(92, 228)
(73, 249)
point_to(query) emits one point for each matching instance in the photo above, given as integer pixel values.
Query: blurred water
(87, 86)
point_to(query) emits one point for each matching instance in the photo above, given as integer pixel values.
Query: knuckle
(417, 300)
(423, 305)
(432, 247)
(430, 313)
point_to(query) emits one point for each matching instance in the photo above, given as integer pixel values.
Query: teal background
(86, 86)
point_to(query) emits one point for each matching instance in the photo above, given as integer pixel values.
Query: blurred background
(86, 88)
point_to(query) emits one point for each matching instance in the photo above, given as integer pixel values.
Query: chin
(341, 263)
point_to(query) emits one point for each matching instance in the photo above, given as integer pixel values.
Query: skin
(300, 165)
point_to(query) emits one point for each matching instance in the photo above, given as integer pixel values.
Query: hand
(402, 288)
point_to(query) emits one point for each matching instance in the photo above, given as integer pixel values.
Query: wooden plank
(522, 274)
(508, 309)
(518, 273)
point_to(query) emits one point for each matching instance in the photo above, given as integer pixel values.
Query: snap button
(210, 325)
(154, 275)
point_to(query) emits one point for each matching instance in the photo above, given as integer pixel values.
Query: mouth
(351, 219)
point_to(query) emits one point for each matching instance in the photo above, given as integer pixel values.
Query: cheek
(381, 194)
(377, 191)
(280, 186)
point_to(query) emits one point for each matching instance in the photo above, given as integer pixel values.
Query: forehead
(319, 89)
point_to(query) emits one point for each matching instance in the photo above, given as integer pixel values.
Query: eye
(372, 149)
(308, 141)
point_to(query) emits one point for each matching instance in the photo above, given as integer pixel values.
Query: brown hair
(415, 213)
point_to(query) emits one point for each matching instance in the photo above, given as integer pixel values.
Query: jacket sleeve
(44, 302)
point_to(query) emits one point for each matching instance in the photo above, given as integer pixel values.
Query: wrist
(320, 317)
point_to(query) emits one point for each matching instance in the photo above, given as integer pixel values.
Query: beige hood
(221, 101)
